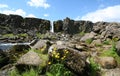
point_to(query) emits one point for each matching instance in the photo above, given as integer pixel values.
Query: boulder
(15, 51)
(73, 59)
(97, 42)
(118, 47)
(111, 72)
(87, 36)
(107, 62)
(30, 59)
(42, 45)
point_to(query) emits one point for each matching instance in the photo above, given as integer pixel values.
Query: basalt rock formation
(72, 27)
(106, 29)
(17, 24)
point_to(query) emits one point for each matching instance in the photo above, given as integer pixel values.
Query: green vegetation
(44, 57)
(56, 63)
(94, 67)
(14, 73)
(31, 72)
(58, 70)
(22, 35)
(39, 35)
(112, 52)
(115, 39)
(88, 41)
(107, 42)
(13, 35)
(8, 35)
(82, 33)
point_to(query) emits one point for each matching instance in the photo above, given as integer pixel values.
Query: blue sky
(93, 10)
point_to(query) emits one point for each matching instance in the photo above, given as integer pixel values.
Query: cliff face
(16, 24)
(72, 27)
(106, 29)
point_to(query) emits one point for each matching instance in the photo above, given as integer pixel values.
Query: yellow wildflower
(49, 62)
(62, 58)
(57, 56)
(54, 52)
(58, 53)
(54, 49)
(66, 52)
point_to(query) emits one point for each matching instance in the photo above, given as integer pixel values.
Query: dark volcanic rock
(73, 59)
(4, 60)
(72, 27)
(38, 25)
(84, 26)
(107, 29)
(99, 27)
(16, 24)
(68, 26)
(58, 25)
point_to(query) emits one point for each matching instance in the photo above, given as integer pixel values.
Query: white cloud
(38, 3)
(46, 15)
(3, 6)
(30, 15)
(17, 12)
(107, 14)
(77, 18)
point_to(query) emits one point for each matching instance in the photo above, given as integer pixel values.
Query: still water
(5, 46)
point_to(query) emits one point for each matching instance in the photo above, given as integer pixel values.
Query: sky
(92, 10)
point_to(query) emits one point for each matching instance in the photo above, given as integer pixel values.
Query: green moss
(44, 57)
(14, 72)
(115, 39)
(94, 67)
(112, 53)
(8, 35)
(82, 33)
(31, 72)
(88, 41)
(39, 35)
(107, 42)
(23, 35)
(98, 45)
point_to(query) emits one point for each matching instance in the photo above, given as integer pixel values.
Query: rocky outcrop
(58, 25)
(14, 28)
(70, 26)
(17, 24)
(107, 30)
